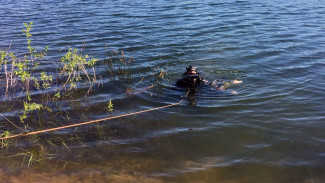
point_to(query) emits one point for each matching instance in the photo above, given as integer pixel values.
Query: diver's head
(191, 70)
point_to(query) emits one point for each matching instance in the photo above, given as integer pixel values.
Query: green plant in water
(46, 80)
(74, 64)
(75, 68)
(110, 106)
(23, 70)
(118, 65)
(7, 59)
(28, 108)
(37, 153)
(57, 96)
(5, 142)
(159, 75)
(30, 62)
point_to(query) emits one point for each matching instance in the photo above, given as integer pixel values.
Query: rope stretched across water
(89, 122)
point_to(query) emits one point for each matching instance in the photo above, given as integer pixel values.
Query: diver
(192, 79)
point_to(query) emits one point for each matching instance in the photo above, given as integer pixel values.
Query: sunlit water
(271, 131)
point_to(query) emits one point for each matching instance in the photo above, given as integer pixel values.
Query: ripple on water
(273, 124)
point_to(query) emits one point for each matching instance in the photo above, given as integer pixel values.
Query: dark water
(271, 131)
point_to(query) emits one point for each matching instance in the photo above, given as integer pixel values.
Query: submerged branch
(13, 123)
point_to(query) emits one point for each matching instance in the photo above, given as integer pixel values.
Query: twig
(13, 124)
(10, 45)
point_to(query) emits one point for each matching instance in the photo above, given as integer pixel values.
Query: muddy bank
(95, 176)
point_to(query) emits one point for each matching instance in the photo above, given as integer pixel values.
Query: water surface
(272, 131)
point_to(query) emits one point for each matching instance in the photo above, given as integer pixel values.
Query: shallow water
(271, 131)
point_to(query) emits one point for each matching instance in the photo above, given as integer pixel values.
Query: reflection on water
(271, 131)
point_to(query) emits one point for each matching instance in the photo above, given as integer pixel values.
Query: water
(272, 131)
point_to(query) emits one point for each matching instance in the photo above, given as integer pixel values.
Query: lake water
(271, 131)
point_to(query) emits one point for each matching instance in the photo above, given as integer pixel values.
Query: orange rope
(89, 122)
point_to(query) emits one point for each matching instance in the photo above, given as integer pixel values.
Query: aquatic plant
(159, 74)
(73, 63)
(118, 65)
(39, 106)
(20, 76)
(5, 143)
(110, 106)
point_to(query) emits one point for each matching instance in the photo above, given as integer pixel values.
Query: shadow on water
(197, 96)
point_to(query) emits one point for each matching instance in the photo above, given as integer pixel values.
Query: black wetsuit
(190, 81)
(193, 81)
